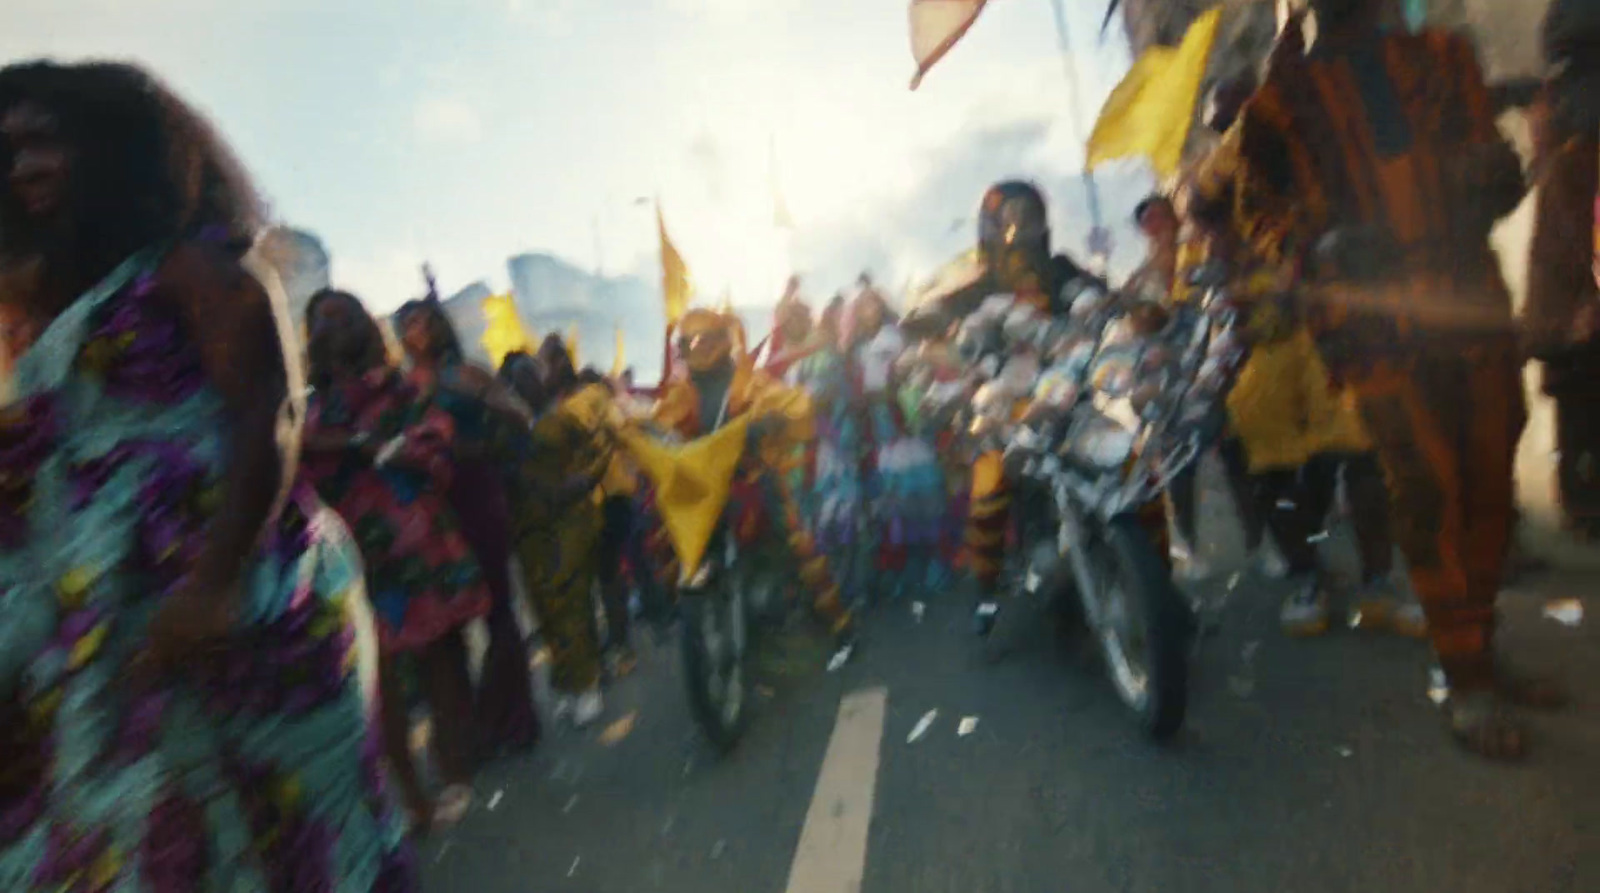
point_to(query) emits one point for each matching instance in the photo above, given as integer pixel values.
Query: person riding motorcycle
(722, 384)
(1014, 251)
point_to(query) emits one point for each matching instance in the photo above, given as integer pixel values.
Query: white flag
(936, 26)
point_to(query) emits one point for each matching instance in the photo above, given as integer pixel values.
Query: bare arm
(231, 320)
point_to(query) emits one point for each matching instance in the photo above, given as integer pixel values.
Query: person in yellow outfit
(619, 489)
(1301, 432)
(722, 384)
(558, 521)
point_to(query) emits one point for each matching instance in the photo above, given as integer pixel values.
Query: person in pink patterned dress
(381, 456)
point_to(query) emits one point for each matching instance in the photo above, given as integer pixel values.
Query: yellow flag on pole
(692, 482)
(675, 287)
(936, 27)
(618, 361)
(505, 332)
(1149, 113)
(572, 343)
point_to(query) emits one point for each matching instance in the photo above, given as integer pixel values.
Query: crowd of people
(206, 507)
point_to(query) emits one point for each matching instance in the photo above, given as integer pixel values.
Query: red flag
(936, 26)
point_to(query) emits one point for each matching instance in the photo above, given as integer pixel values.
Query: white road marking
(832, 855)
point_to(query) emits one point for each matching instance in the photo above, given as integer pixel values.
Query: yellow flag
(936, 26)
(572, 344)
(675, 287)
(692, 483)
(618, 362)
(505, 331)
(1149, 113)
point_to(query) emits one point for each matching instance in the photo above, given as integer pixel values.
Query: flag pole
(1075, 112)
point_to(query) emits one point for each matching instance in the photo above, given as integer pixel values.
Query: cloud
(447, 119)
(709, 8)
(552, 18)
(383, 281)
(708, 161)
(910, 235)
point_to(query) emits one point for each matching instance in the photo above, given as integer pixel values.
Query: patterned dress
(253, 772)
(906, 484)
(835, 500)
(422, 578)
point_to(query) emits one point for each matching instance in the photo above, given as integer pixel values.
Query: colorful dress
(422, 579)
(904, 482)
(834, 503)
(479, 494)
(254, 770)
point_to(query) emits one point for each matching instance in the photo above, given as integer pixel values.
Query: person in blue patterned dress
(180, 708)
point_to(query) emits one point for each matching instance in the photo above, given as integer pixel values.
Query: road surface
(1306, 767)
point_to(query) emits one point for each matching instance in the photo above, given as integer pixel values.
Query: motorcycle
(1095, 415)
(733, 587)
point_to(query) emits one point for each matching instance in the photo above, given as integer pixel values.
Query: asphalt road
(1305, 767)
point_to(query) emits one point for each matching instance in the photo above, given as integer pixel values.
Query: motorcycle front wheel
(1144, 631)
(714, 645)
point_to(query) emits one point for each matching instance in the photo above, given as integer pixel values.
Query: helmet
(705, 339)
(1014, 233)
(1013, 216)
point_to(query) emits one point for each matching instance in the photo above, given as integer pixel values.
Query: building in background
(302, 262)
(555, 296)
(465, 309)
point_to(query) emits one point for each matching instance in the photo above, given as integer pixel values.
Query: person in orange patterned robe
(1386, 146)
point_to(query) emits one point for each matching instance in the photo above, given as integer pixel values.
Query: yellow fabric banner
(1149, 112)
(505, 332)
(619, 362)
(675, 286)
(692, 483)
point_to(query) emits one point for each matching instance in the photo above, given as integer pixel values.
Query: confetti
(967, 726)
(570, 804)
(574, 869)
(840, 658)
(494, 801)
(922, 726)
(918, 609)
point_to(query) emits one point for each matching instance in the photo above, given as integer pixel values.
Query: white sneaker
(1305, 613)
(588, 707)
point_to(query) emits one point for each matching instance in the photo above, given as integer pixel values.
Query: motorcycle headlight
(1102, 442)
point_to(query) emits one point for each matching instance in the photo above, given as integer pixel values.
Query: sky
(464, 131)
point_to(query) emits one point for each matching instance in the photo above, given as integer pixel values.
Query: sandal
(1481, 724)
(452, 804)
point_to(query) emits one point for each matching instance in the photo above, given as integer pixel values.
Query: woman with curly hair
(382, 457)
(176, 669)
(491, 432)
